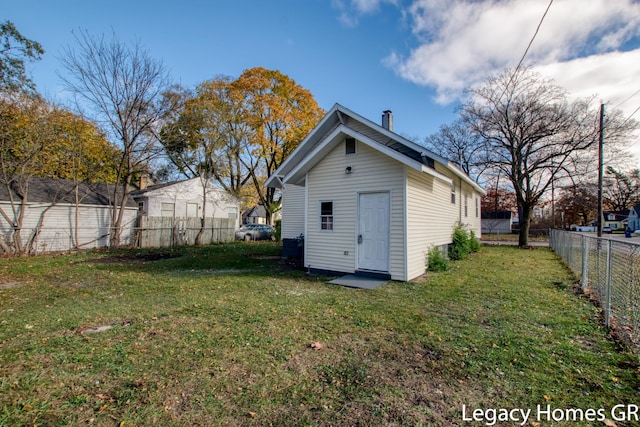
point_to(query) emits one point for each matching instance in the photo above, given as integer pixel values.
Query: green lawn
(222, 335)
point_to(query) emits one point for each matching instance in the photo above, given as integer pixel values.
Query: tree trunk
(33, 239)
(198, 241)
(113, 242)
(525, 223)
(75, 237)
(203, 219)
(116, 228)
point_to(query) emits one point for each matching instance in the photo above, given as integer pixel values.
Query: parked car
(607, 230)
(250, 232)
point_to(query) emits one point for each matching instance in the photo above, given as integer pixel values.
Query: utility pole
(600, 170)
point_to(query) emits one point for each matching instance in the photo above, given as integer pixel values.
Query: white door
(373, 231)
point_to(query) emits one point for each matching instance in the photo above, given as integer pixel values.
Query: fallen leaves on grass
(317, 345)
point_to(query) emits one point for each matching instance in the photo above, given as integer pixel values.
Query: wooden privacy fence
(164, 232)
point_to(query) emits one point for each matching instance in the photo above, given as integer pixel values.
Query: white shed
(187, 199)
(370, 201)
(497, 222)
(65, 219)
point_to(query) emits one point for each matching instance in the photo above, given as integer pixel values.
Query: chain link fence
(609, 272)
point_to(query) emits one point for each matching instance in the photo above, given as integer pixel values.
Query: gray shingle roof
(48, 190)
(497, 215)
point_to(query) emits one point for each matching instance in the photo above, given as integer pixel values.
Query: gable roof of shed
(340, 122)
(179, 186)
(155, 187)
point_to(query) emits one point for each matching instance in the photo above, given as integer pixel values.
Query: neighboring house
(258, 215)
(370, 201)
(617, 220)
(255, 215)
(186, 199)
(498, 222)
(634, 218)
(89, 219)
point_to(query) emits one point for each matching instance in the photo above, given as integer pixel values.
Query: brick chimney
(144, 181)
(387, 120)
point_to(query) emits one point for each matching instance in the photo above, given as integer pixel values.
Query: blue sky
(413, 57)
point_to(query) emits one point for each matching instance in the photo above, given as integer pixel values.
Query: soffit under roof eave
(430, 171)
(274, 181)
(466, 178)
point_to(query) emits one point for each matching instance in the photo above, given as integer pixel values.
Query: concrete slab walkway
(353, 281)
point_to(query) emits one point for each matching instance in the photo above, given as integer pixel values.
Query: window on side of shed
(466, 205)
(453, 193)
(326, 216)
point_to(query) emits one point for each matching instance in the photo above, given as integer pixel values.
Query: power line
(515, 71)
(634, 94)
(629, 118)
(534, 36)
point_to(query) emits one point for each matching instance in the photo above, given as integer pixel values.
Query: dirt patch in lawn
(9, 285)
(133, 258)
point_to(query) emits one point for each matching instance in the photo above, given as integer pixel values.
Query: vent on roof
(387, 120)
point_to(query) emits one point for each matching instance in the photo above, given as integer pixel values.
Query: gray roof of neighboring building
(49, 190)
(497, 215)
(256, 211)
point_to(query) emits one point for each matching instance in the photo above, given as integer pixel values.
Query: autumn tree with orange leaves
(239, 131)
(41, 140)
(280, 114)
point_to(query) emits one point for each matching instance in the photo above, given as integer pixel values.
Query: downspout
(461, 201)
(306, 219)
(406, 224)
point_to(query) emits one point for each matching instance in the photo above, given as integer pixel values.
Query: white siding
(473, 218)
(190, 192)
(496, 226)
(292, 211)
(430, 217)
(58, 229)
(371, 172)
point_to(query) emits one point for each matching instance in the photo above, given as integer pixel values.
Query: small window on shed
(326, 216)
(466, 206)
(453, 193)
(477, 208)
(350, 146)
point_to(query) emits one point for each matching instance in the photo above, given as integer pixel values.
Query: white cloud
(352, 10)
(613, 77)
(579, 42)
